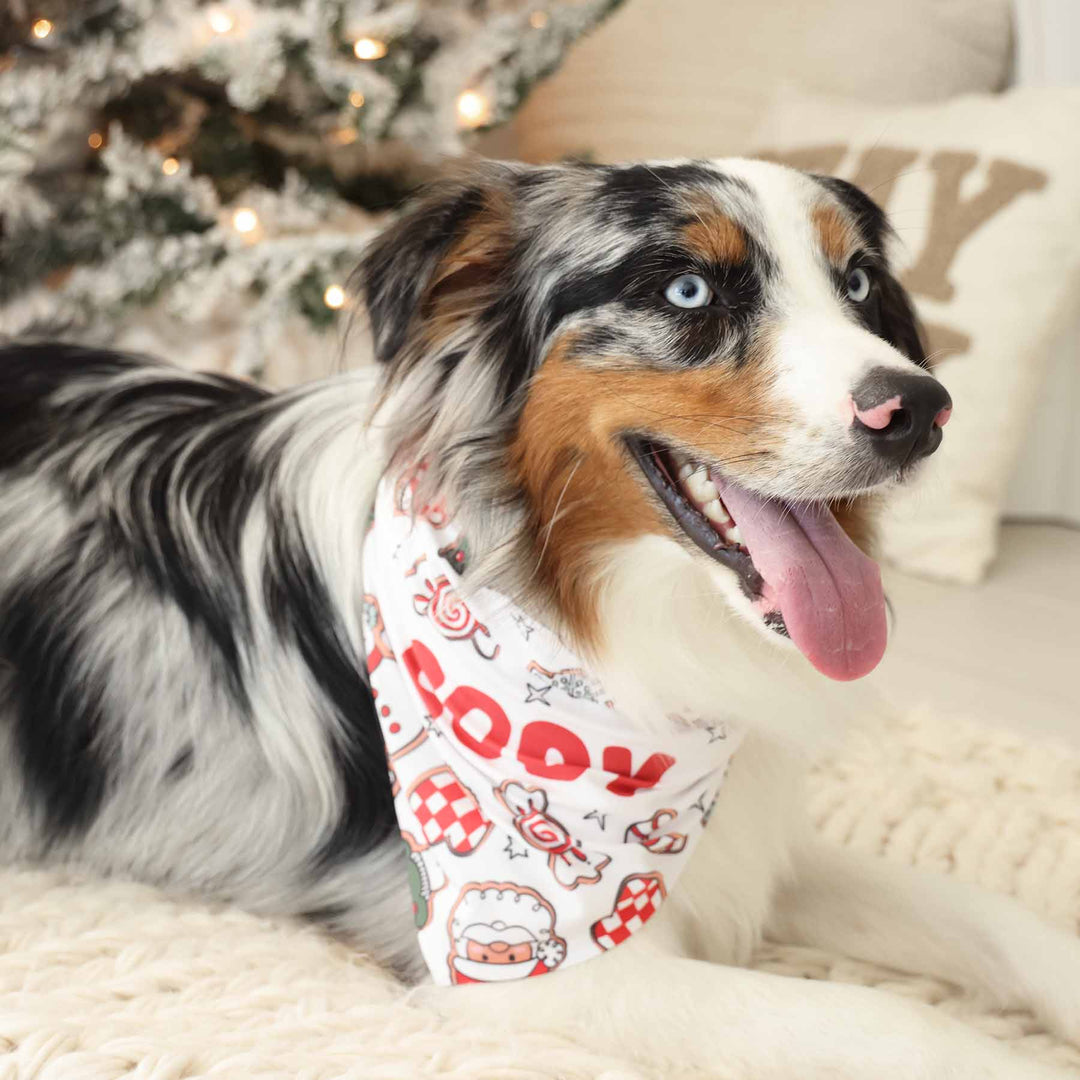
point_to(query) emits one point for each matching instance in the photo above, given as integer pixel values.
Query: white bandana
(543, 828)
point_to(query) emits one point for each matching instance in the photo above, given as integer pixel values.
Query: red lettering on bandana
(468, 701)
(426, 674)
(617, 760)
(538, 738)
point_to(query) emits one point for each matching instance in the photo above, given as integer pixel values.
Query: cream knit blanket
(107, 980)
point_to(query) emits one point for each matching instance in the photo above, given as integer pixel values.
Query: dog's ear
(899, 325)
(430, 269)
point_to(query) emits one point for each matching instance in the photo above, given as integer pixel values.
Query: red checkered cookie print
(447, 810)
(640, 896)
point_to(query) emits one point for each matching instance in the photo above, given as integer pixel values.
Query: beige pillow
(984, 193)
(692, 78)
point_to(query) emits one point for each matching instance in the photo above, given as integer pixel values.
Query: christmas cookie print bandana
(543, 828)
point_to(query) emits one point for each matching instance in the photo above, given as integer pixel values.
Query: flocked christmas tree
(213, 170)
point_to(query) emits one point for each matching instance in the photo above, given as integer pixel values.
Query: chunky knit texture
(106, 980)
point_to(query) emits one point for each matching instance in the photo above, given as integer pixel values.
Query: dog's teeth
(685, 470)
(733, 535)
(716, 512)
(702, 490)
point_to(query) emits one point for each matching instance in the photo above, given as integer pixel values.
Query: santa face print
(504, 944)
(499, 932)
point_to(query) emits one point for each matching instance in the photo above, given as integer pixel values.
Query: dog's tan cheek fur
(583, 489)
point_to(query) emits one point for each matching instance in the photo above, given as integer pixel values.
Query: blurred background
(196, 180)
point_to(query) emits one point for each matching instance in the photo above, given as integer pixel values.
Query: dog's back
(179, 696)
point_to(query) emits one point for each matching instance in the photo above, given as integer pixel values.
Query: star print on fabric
(514, 852)
(716, 732)
(432, 728)
(599, 818)
(537, 693)
(700, 805)
(524, 625)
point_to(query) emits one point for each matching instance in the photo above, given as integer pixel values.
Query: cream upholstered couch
(694, 78)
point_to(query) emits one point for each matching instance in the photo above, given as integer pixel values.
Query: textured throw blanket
(107, 980)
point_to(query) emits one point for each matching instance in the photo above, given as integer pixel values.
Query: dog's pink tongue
(828, 591)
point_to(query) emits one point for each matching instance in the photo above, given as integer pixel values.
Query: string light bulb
(170, 166)
(334, 297)
(245, 220)
(343, 136)
(221, 22)
(473, 108)
(538, 20)
(356, 99)
(41, 29)
(96, 140)
(367, 48)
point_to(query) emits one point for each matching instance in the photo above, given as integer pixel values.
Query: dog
(657, 403)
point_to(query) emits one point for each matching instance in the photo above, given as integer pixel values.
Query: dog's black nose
(900, 415)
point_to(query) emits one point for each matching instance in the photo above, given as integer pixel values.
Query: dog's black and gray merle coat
(182, 693)
(182, 697)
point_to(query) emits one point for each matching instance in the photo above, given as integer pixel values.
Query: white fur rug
(100, 981)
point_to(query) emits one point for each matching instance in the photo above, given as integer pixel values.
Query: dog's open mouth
(804, 575)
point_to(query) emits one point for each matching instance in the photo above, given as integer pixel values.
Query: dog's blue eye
(858, 285)
(688, 291)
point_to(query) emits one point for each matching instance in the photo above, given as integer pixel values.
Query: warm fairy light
(369, 49)
(538, 20)
(356, 99)
(221, 22)
(343, 136)
(42, 28)
(170, 166)
(334, 297)
(473, 108)
(95, 140)
(245, 220)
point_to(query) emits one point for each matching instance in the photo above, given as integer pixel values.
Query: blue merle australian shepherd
(660, 399)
